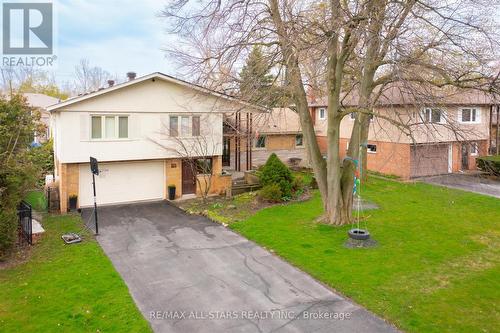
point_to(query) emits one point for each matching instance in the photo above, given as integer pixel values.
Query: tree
(366, 45)
(89, 78)
(256, 82)
(17, 172)
(30, 80)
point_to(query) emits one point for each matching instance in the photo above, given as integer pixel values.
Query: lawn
(437, 265)
(37, 200)
(66, 288)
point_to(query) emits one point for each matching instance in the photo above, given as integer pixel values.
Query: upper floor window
(109, 127)
(261, 142)
(299, 140)
(470, 115)
(189, 126)
(432, 115)
(322, 113)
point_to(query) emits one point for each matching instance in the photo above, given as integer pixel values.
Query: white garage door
(122, 182)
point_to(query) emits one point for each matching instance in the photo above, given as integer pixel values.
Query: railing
(25, 222)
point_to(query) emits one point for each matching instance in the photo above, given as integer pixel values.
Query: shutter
(84, 127)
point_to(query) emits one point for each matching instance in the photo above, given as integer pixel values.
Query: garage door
(429, 160)
(122, 182)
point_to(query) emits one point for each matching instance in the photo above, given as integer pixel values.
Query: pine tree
(256, 81)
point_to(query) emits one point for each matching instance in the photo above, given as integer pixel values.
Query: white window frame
(477, 111)
(324, 113)
(474, 149)
(423, 115)
(189, 131)
(103, 127)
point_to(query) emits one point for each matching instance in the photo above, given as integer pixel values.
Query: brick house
(448, 131)
(41, 102)
(138, 131)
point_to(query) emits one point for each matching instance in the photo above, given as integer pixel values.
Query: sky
(117, 35)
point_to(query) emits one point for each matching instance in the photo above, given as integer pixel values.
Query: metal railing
(24, 212)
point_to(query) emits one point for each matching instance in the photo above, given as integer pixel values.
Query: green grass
(37, 200)
(437, 265)
(66, 288)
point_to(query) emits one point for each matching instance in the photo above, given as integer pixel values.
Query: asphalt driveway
(188, 274)
(475, 182)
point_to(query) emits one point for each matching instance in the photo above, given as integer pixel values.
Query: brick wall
(69, 177)
(173, 173)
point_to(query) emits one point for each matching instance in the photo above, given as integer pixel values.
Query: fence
(25, 223)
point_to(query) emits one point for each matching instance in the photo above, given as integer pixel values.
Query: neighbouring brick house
(495, 130)
(448, 131)
(139, 131)
(249, 139)
(41, 102)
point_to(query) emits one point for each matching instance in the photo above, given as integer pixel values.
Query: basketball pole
(95, 206)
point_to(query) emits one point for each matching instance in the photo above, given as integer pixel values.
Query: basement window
(371, 148)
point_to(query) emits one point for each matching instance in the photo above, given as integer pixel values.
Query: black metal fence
(24, 213)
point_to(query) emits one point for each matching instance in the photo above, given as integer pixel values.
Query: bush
(275, 172)
(271, 193)
(489, 164)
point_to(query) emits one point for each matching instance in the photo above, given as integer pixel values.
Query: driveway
(468, 182)
(188, 274)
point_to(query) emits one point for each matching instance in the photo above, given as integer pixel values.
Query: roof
(40, 100)
(155, 75)
(278, 121)
(412, 94)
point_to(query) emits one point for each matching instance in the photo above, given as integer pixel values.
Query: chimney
(111, 83)
(131, 75)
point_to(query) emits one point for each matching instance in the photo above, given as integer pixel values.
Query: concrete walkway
(188, 274)
(467, 182)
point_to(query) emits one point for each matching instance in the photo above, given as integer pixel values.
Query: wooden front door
(188, 178)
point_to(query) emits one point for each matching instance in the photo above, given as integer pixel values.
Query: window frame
(477, 115)
(369, 151)
(428, 120)
(116, 135)
(474, 149)
(319, 113)
(301, 140)
(190, 122)
(257, 140)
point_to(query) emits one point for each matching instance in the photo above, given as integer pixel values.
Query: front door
(226, 151)
(465, 156)
(188, 178)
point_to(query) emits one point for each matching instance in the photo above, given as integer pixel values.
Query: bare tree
(365, 45)
(89, 78)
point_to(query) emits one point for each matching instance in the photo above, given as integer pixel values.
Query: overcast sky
(117, 35)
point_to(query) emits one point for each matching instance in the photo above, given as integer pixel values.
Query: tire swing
(359, 236)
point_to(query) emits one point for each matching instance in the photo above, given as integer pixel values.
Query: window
(322, 113)
(469, 115)
(189, 126)
(432, 115)
(196, 125)
(474, 148)
(122, 127)
(109, 127)
(185, 126)
(261, 142)
(96, 127)
(299, 140)
(352, 115)
(174, 126)
(203, 166)
(370, 148)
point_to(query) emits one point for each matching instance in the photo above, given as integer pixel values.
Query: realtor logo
(28, 28)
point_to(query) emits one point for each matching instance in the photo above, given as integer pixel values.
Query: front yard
(435, 268)
(66, 288)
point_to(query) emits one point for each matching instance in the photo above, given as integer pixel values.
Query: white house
(143, 133)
